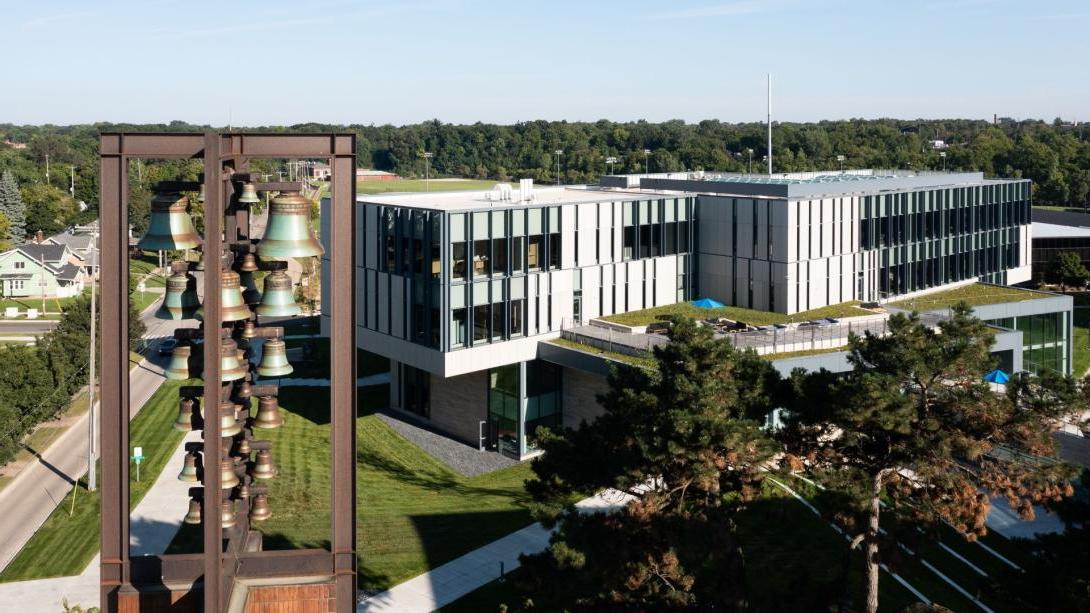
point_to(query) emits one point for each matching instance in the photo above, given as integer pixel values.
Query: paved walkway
(449, 582)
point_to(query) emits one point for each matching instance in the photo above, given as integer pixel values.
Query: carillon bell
(263, 465)
(232, 305)
(246, 269)
(180, 300)
(184, 422)
(288, 233)
(278, 301)
(247, 263)
(268, 413)
(194, 514)
(248, 330)
(180, 360)
(242, 448)
(274, 359)
(189, 472)
(229, 425)
(243, 389)
(227, 514)
(259, 508)
(228, 478)
(169, 227)
(243, 489)
(249, 194)
(231, 368)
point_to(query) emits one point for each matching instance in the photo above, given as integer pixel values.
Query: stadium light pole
(749, 164)
(942, 154)
(646, 163)
(558, 152)
(611, 161)
(840, 158)
(427, 169)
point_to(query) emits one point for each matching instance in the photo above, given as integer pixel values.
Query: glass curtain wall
(503, 410)
(1045, 341)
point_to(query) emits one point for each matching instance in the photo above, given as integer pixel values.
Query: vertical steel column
(213, 264)
(342, 292)
(114, 397)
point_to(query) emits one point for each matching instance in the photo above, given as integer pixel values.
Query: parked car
(167, 346)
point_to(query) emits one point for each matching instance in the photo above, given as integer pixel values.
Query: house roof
(69, 272)
(44, 251)
(80, 242)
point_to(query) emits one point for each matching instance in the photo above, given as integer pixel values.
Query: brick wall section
(580, 396)
(312, 598)
(458, 404)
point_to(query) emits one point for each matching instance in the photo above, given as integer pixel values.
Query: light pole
(427, 169)
(91, 479)
(47, 169)
(646, 163)
(72, 184)
(942, 154)
(749, 164)
(558, 153)
(840, 159)
(611, 161)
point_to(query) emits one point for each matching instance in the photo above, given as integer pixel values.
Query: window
(554, 250)
(499, 256)
(517, 313)
(480, 322)
(481, 264)
(20, 265)
(458, 328)
(629, 242)
(534, 253)
(458, 261)
(517, 245)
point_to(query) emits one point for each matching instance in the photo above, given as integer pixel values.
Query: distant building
(1051, 239)
(368, 174)
(14, 145)
(79, 243)
(938, 144)
(319, 171)
(34, 269)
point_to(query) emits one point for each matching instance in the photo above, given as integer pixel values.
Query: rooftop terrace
(469, 200)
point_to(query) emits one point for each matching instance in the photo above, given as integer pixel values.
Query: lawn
(418, 185)
(142, 267)
(642, 362)
(69, 539)
(749, 316)
(413, 513)
(771, 357)
(53, 306)
(975, 294)
(1080, 344)
(142, 300)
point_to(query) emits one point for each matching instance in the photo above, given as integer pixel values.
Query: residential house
(37, 269)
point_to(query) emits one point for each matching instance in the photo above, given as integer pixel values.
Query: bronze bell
(249, 194)
(169, 225)
(184, 422)
(229, 425)
(194, 514)
(274, 359)
(227, 514)
(288, 233)
(247, 263)
(231, 368)
(268, 414)
(244, 489)
(249, 330)
(243, 389)
(180, 300)
(232, 305)
(242, 448)
(228, 478)
(181, 358)
(263, 465)
(259, 508)
(250, 295)
(189, 472)
(278, 300)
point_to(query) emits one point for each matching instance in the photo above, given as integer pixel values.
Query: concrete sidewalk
(449, 582)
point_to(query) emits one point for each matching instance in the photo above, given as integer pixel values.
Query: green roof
(976, 294)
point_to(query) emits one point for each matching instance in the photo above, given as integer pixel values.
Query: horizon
(341, 62)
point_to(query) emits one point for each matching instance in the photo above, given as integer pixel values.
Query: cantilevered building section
(799, 241)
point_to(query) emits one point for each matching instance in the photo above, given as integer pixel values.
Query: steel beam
(114, 398)
(342, 292)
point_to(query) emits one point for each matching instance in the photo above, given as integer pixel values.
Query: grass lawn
(1080, 344)
(800, 354)
(53, 306)
(418, 185)
(749, 316)
(413, 512)
(642, 362)
(975, 295)
(69, 539)
(142, 300)
(142, 267)
(1067, 209)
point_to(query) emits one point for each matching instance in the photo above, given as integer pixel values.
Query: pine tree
(12, 206)
(914, 424)
(684, 441)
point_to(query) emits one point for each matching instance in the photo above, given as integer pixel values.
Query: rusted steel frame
(114, 399)
(212, 255)
(342, 286)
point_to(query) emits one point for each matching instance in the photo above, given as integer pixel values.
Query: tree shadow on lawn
(312, 403)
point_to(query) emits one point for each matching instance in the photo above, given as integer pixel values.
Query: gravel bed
(456, 455)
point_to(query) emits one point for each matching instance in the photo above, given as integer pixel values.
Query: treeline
(45, 375)
(1055, 156)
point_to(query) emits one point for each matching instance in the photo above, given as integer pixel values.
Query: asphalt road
(40, 326)
(29, 500)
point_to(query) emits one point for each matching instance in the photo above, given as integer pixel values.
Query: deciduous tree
(1068, 269)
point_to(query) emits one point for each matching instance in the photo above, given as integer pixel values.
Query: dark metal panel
(213, 248)
(342, 290)
(281, 145)
(114, 399)
(296, 562)
(156, 145)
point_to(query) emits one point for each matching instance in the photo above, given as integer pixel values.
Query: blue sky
(403, 61)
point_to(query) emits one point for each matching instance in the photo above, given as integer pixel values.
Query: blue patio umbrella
(707, 303)
(997, 376)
